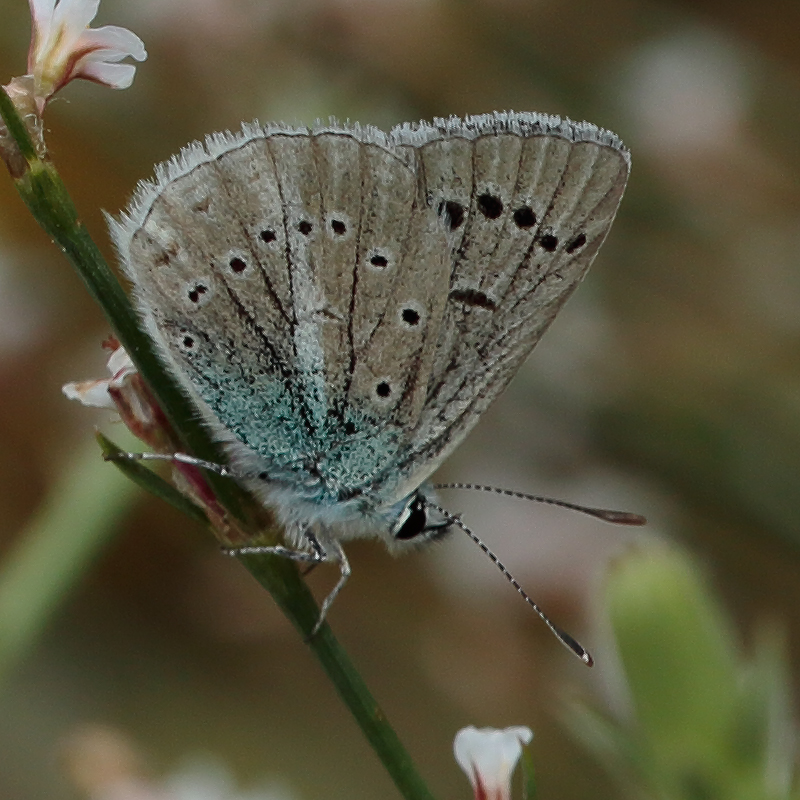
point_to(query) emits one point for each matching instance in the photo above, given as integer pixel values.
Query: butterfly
(342, 304)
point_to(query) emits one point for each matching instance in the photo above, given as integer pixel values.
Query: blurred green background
(669, 386)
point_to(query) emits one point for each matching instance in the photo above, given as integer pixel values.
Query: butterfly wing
(292, 279)
(529, 200)
(343, 305)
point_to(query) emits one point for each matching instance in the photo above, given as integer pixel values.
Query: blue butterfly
(342, 304)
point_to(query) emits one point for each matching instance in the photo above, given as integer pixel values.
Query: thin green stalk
(16, 128)
(46, 196)
(302, 611)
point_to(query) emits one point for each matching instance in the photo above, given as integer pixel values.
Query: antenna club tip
(623, 518)
(571, 644)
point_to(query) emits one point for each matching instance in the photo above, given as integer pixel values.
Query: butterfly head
(416, 520)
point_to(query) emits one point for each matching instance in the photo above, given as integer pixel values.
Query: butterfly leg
(316, 555)
(313, 558)
(344, 566)
(180, 458)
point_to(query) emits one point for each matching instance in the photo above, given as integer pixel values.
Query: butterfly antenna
(607, 515)
(562, 636)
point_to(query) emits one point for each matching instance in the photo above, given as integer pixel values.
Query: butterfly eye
(415, 520)
(411, 522)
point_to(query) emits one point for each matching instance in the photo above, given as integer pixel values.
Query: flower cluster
(126, 393)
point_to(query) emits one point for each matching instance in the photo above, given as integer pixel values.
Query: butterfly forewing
(525, 241)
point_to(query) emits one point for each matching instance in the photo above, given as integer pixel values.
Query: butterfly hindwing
(193, 284)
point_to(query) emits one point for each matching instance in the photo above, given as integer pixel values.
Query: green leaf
(149, 480)
(708, 722)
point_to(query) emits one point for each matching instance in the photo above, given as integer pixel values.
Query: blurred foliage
(528, 775)
(59, 545)
(706, 721)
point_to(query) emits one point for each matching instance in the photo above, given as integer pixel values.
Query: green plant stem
(43, 191)
(276, 575)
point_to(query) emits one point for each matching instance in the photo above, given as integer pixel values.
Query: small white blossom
(95, 393)
(63, 48)
(488, 757)
(126, 393)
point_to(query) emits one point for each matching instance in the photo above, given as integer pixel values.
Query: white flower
(63, 48)
(95, 393)
(488, 757)
(126, 393)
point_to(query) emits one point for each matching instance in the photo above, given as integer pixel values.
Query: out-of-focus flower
(104, 764)
(488, 756)
(63, 48)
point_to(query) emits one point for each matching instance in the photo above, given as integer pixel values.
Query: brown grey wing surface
(529, 206)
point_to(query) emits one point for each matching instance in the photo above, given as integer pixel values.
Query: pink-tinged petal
(119, 362)
(90, 393)
(115, 76)
(111, 43)
(128, 395)
(64, 48)
(488, 757)
(41, 11)
(98, 393)
(75, 15)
